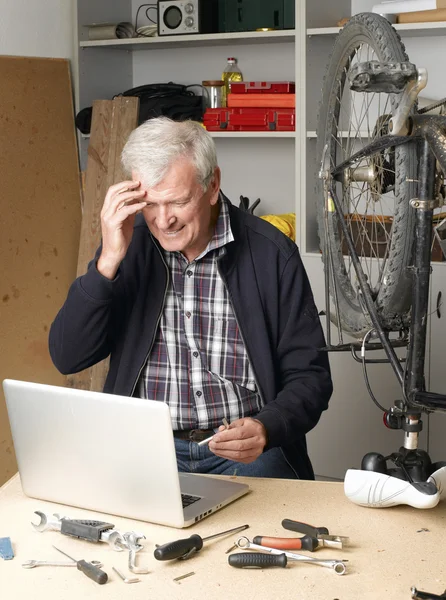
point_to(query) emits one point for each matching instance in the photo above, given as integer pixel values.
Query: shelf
(363, 135)
(211, 39)
(405, 29)
(239, 134)
(253, 134)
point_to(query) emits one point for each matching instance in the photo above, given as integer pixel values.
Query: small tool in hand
(207, 440)
(320, 533)
(184, 548)
(88, 569)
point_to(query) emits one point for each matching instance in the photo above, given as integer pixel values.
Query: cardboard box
(423, 16)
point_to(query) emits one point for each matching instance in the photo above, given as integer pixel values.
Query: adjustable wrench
(93, 531)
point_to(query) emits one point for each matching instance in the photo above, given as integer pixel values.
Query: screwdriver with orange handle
(303, 543)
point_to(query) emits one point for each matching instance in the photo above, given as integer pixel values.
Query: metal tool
(320, 533)
(92, 531)
(30, 564)
(207, 440)
(88, 569)
(185, 548)
(132, 540)
(180, 577)
(124, 578)
(6, 551)
(425, 595)
(337, 565)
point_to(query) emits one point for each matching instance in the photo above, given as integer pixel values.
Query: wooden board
(112, 123)
(40, 216)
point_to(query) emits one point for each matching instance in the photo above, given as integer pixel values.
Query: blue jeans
(192, 458)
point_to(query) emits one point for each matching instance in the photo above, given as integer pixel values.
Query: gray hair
(154, 146)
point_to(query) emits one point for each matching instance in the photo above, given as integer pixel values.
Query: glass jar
(212, 93)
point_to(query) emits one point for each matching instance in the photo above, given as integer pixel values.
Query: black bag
(171, 100)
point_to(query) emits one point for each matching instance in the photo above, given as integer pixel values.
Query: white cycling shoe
(378, 490)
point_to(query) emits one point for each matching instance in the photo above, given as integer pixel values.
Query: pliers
(321, 534)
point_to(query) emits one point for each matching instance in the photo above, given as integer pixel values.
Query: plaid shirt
(198, 364)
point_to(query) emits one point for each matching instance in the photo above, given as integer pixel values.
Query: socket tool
(207, 440)
(320, 533)
(257, 560)
(185, 548)
(337, 565)
(88, 569)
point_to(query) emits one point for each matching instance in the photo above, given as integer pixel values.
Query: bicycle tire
(392, 294)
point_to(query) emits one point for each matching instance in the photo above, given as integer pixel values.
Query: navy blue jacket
(273, 304)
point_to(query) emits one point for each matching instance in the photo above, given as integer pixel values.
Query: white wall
(37, 28)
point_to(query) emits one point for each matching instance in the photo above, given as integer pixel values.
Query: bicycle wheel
(375, 192)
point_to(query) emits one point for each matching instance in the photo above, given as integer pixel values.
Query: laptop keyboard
(188, 500)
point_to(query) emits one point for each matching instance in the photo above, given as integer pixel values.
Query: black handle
(92, 572)
(85, 530)
(179, 548)
(439, 303)
(304, 528)
(251, 560)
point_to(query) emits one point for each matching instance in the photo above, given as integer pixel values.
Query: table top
(390, 550)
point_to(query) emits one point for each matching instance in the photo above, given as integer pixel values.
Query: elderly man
(202, 306)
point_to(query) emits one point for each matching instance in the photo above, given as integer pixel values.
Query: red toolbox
(261, 100)
(263, 87)
(250, 119)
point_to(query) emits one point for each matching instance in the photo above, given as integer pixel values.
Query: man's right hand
(121, 205)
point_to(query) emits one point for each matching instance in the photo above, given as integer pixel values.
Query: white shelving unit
(406, 29)
(181, 41)
(248, 159)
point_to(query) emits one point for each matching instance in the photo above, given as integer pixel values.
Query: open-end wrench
(337, 565)
(30, 564)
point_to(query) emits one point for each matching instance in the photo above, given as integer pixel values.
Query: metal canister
(212, 93)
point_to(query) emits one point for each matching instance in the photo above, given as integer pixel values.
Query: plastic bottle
(231, 73)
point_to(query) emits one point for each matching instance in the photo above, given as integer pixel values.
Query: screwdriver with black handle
(257, 560)
(91, 571)
(185, 547)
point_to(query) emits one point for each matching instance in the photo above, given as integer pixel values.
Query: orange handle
(304, 543)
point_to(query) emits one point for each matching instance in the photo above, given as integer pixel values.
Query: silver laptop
(107, 453)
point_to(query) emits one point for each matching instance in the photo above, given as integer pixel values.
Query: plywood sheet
(112, 123)
(40, 216)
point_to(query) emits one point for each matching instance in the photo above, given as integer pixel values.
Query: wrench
(30, 564)
(338, 565)
(93, 531)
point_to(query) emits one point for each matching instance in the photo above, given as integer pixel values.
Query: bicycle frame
(428, 131)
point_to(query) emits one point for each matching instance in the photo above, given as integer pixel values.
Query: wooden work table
(391, 550)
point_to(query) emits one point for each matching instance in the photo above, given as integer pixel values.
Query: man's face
(178, 213)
